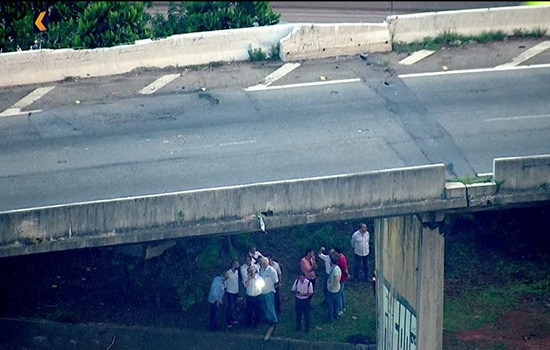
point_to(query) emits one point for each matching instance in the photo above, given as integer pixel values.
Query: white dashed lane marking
(273, 77)
(523, 117)
(27, 101)
(469, 71)
(415, 57)
(159, 83)
(316, 83)
(532, 52)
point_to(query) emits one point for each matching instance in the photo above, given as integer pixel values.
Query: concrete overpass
(407, 203)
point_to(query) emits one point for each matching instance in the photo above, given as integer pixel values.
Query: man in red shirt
(343, 264)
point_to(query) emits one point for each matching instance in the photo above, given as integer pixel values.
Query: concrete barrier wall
(284, 198)
(415, 27)
(310, 41)
(40, 66)
(522, 173)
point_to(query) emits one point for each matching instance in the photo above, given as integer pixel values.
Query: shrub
(275, 52)
(87, 24)
(198, 16)
(78, 24)
(256, 54)
(105, 24)
(16, 25)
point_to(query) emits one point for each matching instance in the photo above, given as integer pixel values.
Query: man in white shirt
(271, 279)
(255, 255)
(244, 269)
(333, 287)
(303, 289)
(254, 285)
(232, 292)
(360, 245)
(277, 268)
(328, 267)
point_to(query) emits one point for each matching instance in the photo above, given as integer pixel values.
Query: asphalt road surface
(166, 143)
(357, 11)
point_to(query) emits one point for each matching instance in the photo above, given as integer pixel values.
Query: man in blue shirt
(215, 298)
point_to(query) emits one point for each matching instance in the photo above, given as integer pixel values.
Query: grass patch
(275, 52)
(359, 322)
(453, 39)
(256, 54)
(477, 307)
(524, 34)
(492, 268)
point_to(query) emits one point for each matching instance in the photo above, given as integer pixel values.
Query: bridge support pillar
(409, 282)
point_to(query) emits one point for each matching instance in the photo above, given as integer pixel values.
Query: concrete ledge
(224, 227)
(481, 194)
(41, 66)
(235, 209)
(186, 210)
(455, 190)
(522, 173)
(310, 41)
(415, 27)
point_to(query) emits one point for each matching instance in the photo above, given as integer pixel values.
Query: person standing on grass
(254, 285)
(333, 286)
(343, 265)
(360, 245)
(271, 279)
(303, 289)
(232, 291)
(277, 268)
(308, 266)
(328, 267)
(215, 298)
(244, 273)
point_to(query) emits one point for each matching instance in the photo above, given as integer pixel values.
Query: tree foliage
(91, 24)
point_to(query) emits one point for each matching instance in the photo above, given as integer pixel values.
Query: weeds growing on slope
(450, 38)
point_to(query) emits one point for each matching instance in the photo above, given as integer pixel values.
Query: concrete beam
(235, 209)
(223, 210)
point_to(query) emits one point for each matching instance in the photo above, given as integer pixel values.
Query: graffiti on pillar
(400, 322)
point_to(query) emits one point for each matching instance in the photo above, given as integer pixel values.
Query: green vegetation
(274, 53)
(199, 16)
(453, 39)
(535, 33)
(256, 54)
(86, 24)
(495, 263)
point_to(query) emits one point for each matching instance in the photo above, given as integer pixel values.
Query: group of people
(261, 278)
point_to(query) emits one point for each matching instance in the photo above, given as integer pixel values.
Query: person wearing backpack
(303, 288)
